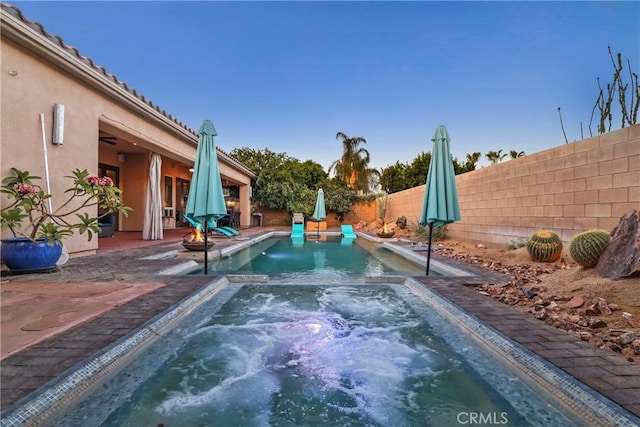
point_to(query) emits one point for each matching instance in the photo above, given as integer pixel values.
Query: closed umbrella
(152, 227)
(320, 212)
(440, 205)
(205, 202)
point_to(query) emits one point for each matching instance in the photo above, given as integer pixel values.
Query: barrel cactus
(544, 246)
(586, 247)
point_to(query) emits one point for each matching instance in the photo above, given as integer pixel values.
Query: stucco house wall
(39, 71)
(571, 188)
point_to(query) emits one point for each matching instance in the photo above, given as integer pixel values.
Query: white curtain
(152, 229)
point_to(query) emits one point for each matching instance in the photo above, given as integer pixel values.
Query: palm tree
(353, 166)
(471, 161)
(495, 156)
(515, 154)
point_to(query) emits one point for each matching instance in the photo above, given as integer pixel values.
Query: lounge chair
(347, 241)
(298, 218)
(347, 231)
(297, 230)
(229, 229)
(297, 240)
(211, 226)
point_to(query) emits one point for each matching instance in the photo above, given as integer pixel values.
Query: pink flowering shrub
(24, 189)
(28, 212)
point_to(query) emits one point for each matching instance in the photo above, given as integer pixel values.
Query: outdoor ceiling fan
(108, 139)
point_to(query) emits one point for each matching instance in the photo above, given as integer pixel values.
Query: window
(168, 192)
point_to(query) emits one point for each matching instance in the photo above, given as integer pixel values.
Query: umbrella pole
(429, 252)
(206, 249)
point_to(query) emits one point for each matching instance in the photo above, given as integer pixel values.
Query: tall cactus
(544, 246)
(586, 247)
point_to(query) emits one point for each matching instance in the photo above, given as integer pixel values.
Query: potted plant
(38, 231)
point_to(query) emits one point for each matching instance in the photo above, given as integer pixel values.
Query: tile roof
(39, 28)
(73, 52)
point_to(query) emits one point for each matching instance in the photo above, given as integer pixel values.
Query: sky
(289, 75)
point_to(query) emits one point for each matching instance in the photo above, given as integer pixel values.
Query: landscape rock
(627, 338)
(585, 336)
(621, 255)
(595, 323)
(632, 320)
(628, 353)
(592, 310)
(603, 307)
(574, 302)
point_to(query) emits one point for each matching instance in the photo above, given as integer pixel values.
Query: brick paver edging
(607, 373)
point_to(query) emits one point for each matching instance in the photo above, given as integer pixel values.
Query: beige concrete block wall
(360, 211)
(567, 189)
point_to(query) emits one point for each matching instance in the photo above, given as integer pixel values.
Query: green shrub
(516, 244)
(422, 232)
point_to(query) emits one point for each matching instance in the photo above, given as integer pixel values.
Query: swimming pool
(132, 367)
(331, 258)
(351, 354)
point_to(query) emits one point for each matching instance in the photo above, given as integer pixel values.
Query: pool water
(329, 259)
(288, 355)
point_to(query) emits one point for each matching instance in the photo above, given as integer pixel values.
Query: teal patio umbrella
(440, 205)
(320, 212)
(205, 202)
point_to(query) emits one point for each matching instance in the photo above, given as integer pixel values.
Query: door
(182, 188)
(112, 172)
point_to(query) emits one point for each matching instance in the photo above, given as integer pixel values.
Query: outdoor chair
(107, 226)
(347, 231)
(225, 231)
(235, 220)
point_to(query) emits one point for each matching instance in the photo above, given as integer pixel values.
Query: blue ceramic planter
(20, 254)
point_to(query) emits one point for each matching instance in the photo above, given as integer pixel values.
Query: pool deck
(52, 322)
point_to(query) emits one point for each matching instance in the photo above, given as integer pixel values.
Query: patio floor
(51, 322)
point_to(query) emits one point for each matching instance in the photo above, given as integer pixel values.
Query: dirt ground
(564, 278)
(564, 294)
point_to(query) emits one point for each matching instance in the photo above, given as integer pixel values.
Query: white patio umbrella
(152, 227)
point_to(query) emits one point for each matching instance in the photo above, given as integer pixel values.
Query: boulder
(620, 256)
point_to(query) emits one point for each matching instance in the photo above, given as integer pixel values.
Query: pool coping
(603, 371)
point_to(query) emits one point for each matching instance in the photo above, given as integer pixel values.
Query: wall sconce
(122, 157)
(57, 136)
(191, 169)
